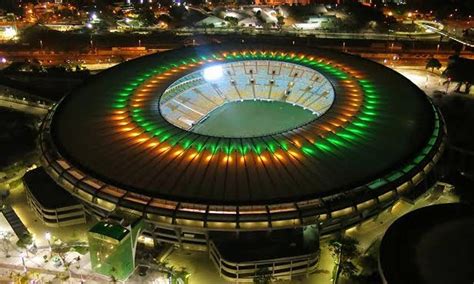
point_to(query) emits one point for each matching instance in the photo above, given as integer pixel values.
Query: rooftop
(111, 230)
(46, 191)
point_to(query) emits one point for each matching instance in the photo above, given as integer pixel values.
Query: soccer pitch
(251, 118)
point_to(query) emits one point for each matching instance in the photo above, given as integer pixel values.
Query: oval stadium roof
(379, 126)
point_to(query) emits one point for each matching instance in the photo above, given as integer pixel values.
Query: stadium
(218, 143)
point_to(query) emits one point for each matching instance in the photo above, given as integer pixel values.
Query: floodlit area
(198, 100)
(431, 82)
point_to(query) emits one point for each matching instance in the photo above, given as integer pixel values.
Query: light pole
(22, 256)
(47, 236)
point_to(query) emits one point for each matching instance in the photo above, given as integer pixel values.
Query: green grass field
(253, 118)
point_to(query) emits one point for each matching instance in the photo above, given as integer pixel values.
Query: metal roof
(112, 130)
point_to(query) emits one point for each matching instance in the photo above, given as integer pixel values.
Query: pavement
(427, 80)
(198, 264)
(34, 264)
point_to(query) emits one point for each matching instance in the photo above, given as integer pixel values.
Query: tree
(344, 250)
(232, 20)
(25, 241)
(258, 15)
(262, 276)
(345, 246)
(178, 13)
(147, 17)
(281, 21)
(433, 63)
(348, 269)
(459, 70)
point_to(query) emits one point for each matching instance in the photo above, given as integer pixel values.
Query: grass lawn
(253, 118)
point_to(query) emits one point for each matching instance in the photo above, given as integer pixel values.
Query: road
(21, 101)
(106, 58)
(290, 31)
(445, 34)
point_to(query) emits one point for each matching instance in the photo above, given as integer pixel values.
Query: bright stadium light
(213, 73)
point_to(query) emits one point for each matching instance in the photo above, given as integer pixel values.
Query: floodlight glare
(213, 73)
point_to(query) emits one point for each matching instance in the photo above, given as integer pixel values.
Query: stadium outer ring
(373, 196)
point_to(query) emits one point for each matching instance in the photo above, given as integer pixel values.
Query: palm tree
(344, 250)
(263, 275)
(25, 241)
(459, 70)
(433, 63)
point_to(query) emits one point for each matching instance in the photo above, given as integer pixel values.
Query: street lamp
(47, 236)
(22, 256)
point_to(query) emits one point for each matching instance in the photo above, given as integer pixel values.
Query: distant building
(212, 21)
(316, 22)
(282, 2)
(54, 206)
(8, 32)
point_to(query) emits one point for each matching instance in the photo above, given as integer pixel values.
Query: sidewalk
(89, 277)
